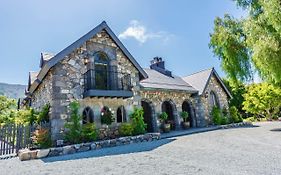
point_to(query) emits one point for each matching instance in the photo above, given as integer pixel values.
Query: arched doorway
(167, 107)
(186, 106)
(149, 115)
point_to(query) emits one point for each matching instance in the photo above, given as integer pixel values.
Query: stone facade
(64, 83)
(213, 86)
(176, 98)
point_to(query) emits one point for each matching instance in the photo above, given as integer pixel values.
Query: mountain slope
(12, 90)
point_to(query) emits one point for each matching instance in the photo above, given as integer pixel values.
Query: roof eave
(61, 55)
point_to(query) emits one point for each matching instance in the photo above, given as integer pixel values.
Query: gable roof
(32, 76)
(78, 43)
(157, 80)
(201, 79)
(45, 57)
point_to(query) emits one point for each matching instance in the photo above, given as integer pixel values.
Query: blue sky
(178, 31)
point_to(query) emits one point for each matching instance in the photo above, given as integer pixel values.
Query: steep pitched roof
(157, 80)
(60, 56)
(201, 79)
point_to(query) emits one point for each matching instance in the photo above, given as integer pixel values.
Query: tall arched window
(121, 114)
(214, 99)
(101, 64)
(88, 115)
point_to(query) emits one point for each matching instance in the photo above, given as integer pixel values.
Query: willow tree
(252, 43)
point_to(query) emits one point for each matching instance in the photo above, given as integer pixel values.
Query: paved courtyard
(248, 151)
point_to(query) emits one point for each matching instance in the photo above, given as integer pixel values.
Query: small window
(121, 114)
(88, 115)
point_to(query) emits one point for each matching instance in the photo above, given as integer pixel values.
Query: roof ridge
(198, 72)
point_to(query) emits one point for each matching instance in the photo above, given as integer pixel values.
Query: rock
(42, 153)
(55, 152)
(68, 150)
(24, 155)
(77, 146)
(83, 148)
(93, 146)
(33, 154)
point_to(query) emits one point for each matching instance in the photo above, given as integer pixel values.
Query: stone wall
(26, 154)
(157, 97)
(43, 94)
(216, 87)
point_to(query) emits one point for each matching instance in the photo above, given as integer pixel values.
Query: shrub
(106, 116)
(89, 132)
(216, 115)
(184, 115)
(73, 133)
(126, 129)
(43, 115)
(235, 116)
(223, 120)
(163, 117)
(42, 138)
(139, 127)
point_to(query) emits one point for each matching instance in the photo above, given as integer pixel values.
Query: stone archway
(187, 106)
(170, 108)
(149, 115)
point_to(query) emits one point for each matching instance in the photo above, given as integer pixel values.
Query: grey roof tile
(198, 80)
(157, 80)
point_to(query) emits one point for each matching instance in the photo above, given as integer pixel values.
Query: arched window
(101, 64)
(214, 99)
(121, 114)
(88, 115)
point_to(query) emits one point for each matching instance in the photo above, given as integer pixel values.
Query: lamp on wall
(86, 60)
(206, 94)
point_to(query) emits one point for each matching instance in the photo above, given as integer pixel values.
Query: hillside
(12, 90)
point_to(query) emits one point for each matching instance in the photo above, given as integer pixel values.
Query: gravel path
(232, 151)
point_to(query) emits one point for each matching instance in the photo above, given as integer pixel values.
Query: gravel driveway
(232, 151)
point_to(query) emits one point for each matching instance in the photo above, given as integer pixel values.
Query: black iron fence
(106, 80)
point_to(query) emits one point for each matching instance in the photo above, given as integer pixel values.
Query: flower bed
(27, 154)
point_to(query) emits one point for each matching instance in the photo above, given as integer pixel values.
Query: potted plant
(166, 127)
(185, 116)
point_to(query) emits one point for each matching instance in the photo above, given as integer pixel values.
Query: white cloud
(139, 32)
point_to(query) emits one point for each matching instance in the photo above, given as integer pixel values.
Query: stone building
(98, 71)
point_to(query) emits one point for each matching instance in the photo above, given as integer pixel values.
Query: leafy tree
(7, 110)
(263, 100)
(237, 90)
(251, 43)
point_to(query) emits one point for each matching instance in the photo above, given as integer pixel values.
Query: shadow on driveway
(276, 129)
(125, 149)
